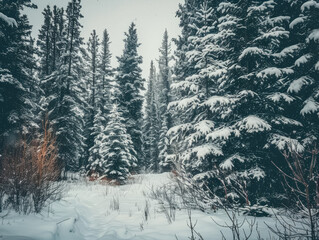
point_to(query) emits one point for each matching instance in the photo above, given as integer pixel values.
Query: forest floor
(95, 211)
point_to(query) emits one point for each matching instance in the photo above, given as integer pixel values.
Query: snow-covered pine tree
(151, 124)
(49, 53)
(181, 71)
(231, 99)
(107, 73)
(65, 100)
(93, 124)
(93, 58)
(92, 83)
(194, 153)
(36, 93)
(131, 84)
(164, 82)
(49, 40)
(303, 85)
(44, 43)
(17, 102)
(245, 128)
(116, 149)
(103, 99)
(57, 33)
(165, 74)
(253, 105)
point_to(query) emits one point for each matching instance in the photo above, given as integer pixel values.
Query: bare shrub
(167, 200)
(191, 225)
(195, 196)
(29, 172)
(45, 169)
(16, 176)
(301, 182)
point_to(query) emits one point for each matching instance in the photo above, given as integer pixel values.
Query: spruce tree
(151, 127)
(44, 43)
(232, 106)
(49, 40)
(116, 149)
(193, 118)
(303, 84)
(164, 82)
(57, 33)
(17, 102)
(131, 84)
(93, 85)
(106, 72)
(103, 100)
(66, 91)
(250, 79)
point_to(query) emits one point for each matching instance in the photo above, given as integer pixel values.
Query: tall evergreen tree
(195, 119)
(164, 81)
(57, 33)
(182, 70)
(103, 100)
(231, 103)
(17, 103)
(65, 99)
(44, 43)
(252, 81)
(131, 84)
(106, 72)
(151, 127)
(303, 85)
(93, 82)
(49, 40)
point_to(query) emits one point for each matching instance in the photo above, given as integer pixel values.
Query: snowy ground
(92, 211)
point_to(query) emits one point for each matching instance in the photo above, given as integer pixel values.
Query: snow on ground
(93, 211)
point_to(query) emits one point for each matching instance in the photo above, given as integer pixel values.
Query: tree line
(94, 110)
(241, 87)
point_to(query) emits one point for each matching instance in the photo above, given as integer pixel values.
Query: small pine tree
(116, 149)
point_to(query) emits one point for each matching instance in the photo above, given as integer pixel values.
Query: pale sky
(150, 16)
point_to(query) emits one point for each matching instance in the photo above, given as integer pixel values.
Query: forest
(230, 111)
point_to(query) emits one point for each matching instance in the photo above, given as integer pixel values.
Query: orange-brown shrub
(29, 172)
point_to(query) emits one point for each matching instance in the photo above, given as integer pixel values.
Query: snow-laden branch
(10, 21)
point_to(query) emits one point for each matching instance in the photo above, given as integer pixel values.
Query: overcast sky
(151, 18)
